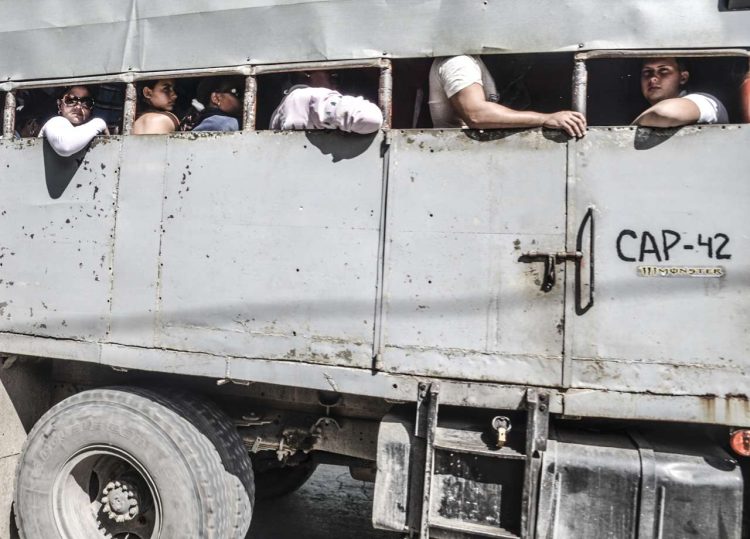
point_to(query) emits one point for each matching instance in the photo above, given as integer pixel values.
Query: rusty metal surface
(653, 334)
(115, 36)
(131, 97)
(9, 114)
(57, 218)
(458, 303)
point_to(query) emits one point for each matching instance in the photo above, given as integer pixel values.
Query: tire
(129, 462)
(277, 482)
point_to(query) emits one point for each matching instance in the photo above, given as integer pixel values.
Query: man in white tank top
(663, 83)
(463, 94)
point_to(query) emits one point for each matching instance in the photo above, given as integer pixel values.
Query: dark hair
(139, 86)
(217, 84)
(67, 89)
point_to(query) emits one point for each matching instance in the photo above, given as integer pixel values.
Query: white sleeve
(708, 106)
(459, 72)
(323, 108)
(67, 139)
(349, 113)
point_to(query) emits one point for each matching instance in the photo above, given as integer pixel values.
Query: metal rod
(385, 91)
(580, 86)
(9, 115)
(651, 53)
(537, 432)
(315, 66)
(128, 114)
(429, 459)
(250, 103)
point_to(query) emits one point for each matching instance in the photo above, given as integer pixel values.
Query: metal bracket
(537, 433)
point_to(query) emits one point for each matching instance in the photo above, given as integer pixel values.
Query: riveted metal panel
(269, 245)
(56, 224)
(461, 211)
(61, 38)
(655, 326)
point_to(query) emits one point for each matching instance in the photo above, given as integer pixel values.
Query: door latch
(550, 261)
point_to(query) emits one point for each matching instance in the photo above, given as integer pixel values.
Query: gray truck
(512, 333)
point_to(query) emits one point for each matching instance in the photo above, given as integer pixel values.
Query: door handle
(587, 223)
(551, 260)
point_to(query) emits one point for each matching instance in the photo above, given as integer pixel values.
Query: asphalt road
(331, 505)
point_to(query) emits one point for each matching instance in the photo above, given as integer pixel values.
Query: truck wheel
(128, 462)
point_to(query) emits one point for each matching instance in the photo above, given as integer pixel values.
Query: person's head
(663, 78)
(320, 79)
(159, 94)
(224, 93)
(75, 104)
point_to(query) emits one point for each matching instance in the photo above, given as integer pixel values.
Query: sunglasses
(73, 100)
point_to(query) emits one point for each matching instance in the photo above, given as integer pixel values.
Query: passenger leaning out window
(155, 117)
(74, 127)
(317, 104)
(463, 94)
(664, 85)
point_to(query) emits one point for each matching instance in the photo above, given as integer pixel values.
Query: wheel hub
(120, 501)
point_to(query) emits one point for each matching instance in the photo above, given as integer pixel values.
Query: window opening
(613, 91)
(410, 93)
(184, 104)
(35, 106)
(539, 82)
(272, 87)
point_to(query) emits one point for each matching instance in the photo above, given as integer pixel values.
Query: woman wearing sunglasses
(73, 128)
(157, 102)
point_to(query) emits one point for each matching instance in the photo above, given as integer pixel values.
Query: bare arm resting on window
(478, 113)
(695, 108)
(67, 139)
(669, 113)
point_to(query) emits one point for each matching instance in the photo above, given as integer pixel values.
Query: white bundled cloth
(322, 108)
(67, 139)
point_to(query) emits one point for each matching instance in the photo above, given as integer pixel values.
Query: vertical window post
(128, 115)
(250, 103)
(385, 91)
(580, 85)
(745, 95)
(9, 114)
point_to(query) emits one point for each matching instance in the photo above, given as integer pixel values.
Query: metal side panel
(462, 208)
(137, 236)
(671, 262)
(57, 217)
(269, 245)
